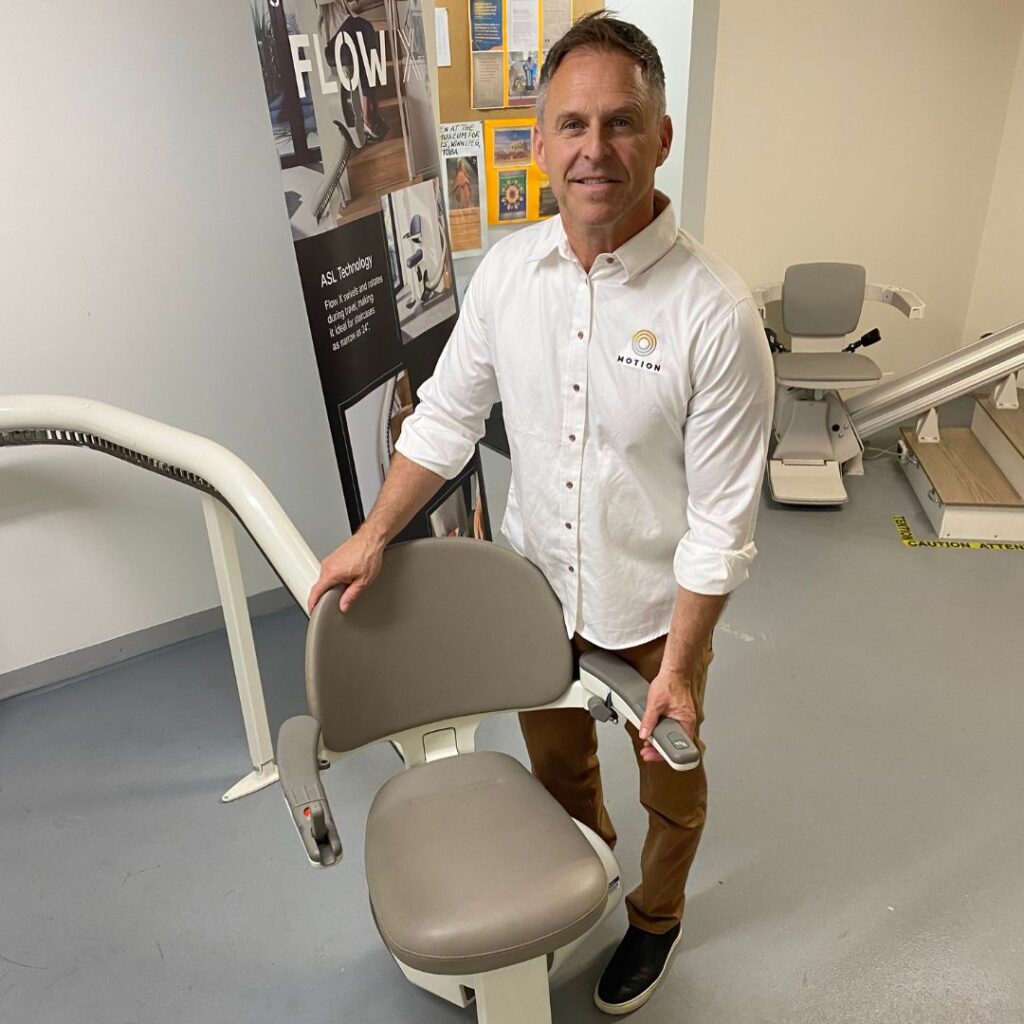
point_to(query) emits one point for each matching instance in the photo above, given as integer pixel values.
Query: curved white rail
(237, 485)
(227, 483)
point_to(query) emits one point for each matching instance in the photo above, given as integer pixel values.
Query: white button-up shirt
(637, 400)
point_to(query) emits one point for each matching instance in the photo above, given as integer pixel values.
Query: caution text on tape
(910, 541)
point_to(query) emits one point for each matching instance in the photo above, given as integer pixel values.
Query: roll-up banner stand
(349, 92)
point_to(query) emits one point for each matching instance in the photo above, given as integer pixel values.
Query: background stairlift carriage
(429, 274)
(480, 884)
(815, 442)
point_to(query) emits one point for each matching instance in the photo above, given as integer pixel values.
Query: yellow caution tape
(910, 541)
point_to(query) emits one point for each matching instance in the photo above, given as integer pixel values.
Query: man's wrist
(373, 534)
(676, 676)
(684, 661)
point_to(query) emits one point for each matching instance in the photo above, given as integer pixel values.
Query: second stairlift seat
(823, 301)
(815, 441)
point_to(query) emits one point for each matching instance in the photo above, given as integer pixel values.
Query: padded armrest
(616, 687)
(298, 766)
(901, 298)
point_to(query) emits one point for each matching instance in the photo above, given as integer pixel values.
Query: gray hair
(600, 30)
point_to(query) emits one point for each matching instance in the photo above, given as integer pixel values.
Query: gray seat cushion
(473, 866)
(832, 367)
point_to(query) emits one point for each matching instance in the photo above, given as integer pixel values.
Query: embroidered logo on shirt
(640, 353)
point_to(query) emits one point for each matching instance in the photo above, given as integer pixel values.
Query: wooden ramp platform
(961, 471)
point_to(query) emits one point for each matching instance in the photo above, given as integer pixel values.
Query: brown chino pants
(562, 745)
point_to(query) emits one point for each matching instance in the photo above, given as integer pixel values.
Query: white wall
(997, 299)
(669, 26)
(146, 262)
(868, 133)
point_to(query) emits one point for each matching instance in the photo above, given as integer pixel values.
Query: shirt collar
(646, 247)
(636, 254)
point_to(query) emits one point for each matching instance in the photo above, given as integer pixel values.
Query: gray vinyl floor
(862, 859)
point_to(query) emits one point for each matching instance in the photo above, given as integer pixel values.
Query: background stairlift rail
(976, 366)
(228, 486)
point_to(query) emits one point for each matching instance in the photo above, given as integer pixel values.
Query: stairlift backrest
(450, 628)
(822, 300)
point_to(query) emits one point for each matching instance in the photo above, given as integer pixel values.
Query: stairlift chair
(815, 443)
(480, 884)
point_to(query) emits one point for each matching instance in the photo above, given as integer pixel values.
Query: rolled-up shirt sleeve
(455, 402)
(725, 448)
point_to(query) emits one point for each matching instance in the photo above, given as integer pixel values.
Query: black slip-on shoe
(635, 970)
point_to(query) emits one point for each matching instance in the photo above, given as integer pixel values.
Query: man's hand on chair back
(356, 563)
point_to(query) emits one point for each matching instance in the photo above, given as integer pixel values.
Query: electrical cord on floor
(879, 453)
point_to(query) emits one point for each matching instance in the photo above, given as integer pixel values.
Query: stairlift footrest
(806, 484)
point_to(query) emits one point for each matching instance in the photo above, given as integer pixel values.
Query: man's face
(600, 142)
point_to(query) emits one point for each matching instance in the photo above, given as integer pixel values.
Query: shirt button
(571, 569)
(568, 483)
(579, 334)
(572, 437)
(568, 526)
(575, 387)
(609, 259)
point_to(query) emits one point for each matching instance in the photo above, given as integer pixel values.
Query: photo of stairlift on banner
(421, 261)
(373, 425)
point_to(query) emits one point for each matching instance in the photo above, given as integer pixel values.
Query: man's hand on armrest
(357, 562)
(670, 694)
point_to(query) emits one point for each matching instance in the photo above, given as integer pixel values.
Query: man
(636, 388)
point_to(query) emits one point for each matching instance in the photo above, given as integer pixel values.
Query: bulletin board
(517, 189)
(454, 83)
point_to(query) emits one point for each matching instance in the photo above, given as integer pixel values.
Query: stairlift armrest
(614, 688)
(905, 301)
(298, 764)
(765, 294)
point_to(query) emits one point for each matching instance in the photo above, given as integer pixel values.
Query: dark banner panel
(350, 101)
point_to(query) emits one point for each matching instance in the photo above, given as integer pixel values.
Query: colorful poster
(351, 110)
(462, 146)
(523, 72)
(511, 195)
(486, 25)
(517, 189)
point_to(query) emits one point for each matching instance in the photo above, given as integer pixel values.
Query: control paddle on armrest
(617, 689)
(299, 767)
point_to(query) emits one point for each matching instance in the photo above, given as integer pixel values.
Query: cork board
(454, 82)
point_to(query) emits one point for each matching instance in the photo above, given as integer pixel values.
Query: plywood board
(961, 471)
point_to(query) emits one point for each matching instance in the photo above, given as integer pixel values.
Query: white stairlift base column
(514, 995)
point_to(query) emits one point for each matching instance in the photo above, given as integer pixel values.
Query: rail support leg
(927, 428)
(1004, 394)
(221, 529)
